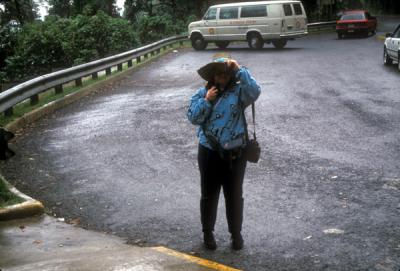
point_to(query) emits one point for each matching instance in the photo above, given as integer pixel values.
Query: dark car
(356, 22)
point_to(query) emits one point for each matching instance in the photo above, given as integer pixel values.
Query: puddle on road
(391, 183)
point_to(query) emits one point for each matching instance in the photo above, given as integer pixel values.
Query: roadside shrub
(56, 43)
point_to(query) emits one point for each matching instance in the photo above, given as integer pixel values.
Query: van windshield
(211, 14)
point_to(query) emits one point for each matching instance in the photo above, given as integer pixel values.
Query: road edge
(29, 207)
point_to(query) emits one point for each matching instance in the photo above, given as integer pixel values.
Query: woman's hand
(233, 65)
(212, 94)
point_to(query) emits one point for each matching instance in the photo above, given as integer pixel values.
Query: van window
(287, 9)
(228, 13)
(297, 9)
(253, 11)
(211, 14)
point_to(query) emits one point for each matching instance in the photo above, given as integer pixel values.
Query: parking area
(325, 195)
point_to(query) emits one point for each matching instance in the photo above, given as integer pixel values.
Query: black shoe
(237, 241)
(209, 241)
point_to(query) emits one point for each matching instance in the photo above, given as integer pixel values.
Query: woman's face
(222, 79)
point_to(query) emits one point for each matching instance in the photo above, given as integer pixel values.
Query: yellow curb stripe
(381, 38)
(193, 259)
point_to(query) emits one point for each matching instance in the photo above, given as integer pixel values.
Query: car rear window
(297, 9)
(355, 16)
(253, 11)
(287, 9)
(228, 13)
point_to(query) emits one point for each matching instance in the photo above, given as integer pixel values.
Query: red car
(356, 22)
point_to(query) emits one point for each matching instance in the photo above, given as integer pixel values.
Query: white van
(257, 23)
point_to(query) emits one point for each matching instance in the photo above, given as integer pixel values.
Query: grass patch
(49, 95)
(6, 197)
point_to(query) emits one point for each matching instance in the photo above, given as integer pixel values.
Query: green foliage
(24, 11)
(62, 8)
(91, 7)
(153, 28)
(56, 43)
(8, 41)
(6, 197)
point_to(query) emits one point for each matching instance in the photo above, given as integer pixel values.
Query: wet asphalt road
(124, 160)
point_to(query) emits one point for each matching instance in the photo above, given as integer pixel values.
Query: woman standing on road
(218, 109)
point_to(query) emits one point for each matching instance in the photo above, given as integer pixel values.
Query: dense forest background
(78, 31)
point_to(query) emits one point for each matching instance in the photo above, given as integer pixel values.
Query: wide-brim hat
(218, 66)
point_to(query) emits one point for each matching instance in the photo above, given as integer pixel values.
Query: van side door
(254, 18)
(275, 20)
(228, 23)
(208, 30)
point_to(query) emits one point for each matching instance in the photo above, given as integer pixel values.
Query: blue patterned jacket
(223, 119)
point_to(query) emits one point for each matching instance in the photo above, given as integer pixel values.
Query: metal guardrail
(314, 27)
(32, 88)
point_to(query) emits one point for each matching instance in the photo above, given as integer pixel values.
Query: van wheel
(198, 42)
(255, 41)
(279, 44)
(386, 58)
(222, 44)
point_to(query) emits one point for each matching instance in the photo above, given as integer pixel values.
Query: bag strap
(253, 112)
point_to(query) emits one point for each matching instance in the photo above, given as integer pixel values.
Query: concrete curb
(25, 209)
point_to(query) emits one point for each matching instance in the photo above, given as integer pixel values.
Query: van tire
(279, 44)
(198, 42)
(255, 41)
(222, 44)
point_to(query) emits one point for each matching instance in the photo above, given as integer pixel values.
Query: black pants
(216, 173)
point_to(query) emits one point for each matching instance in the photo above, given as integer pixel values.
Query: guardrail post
(9, 112)
(138, 60)
(181, 43)
(95, 75)
(158, 51)
(78, 82)
(34, 99)
(119, 67)
(130, 64)
(58, 89)
(108, 71)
